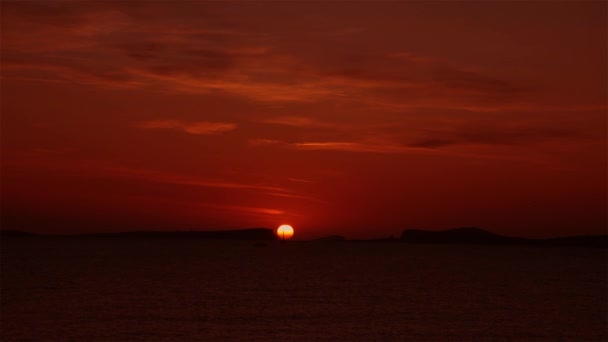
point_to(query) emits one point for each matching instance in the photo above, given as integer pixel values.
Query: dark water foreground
(113, 289)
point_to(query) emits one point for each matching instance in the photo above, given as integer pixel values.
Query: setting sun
(285, 232)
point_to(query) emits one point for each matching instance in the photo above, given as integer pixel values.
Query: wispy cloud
(506, 135)
(198, 127)
(244, 209)
(133, 51)
(163, 177)
(96, 168)
(297, 121)
(264, 142)
(290, 195)
(352, 147)
(465, 81)
(300, 180)
(84, 168)
(436, 147)
(357, 147)
(344, 146)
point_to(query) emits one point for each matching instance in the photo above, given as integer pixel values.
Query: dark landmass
(16, 233)
(384, 239)
(585, 240)
(471, 235)
(461, 236)
(331, 238)
(240, 234)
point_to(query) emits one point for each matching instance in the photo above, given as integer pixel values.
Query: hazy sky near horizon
(352, 118)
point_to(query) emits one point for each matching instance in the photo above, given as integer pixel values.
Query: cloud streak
(198, 127)
(167, 178)
(95, 168)
(297, 121)
(264, 142)
(357, 147)
(300, 180)
(506, 135)
(244, 209)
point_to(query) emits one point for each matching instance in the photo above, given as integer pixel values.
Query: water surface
(128, 289)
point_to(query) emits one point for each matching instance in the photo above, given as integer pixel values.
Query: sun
(285, 232)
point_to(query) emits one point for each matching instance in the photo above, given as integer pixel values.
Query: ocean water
(153, 290)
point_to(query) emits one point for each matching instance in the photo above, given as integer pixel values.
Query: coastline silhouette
(463, 236)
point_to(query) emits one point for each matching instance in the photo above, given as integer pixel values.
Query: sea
(118, 289)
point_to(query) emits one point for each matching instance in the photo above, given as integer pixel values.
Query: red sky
(352, 118)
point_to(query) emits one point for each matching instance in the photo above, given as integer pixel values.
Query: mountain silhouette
(458, 235)
(466, 235)
(14, 233)
(331, 238)
(473, 235)
(238, 234)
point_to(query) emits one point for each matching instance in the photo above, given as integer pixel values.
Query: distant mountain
(12, 233)
(240, 234)
(331, 238)
(459, 235)
(472, 235)
(581, 240)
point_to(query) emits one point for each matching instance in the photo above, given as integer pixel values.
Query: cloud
(199, 127)
(194, 48)
(263, 142)
(430, 146)
(434, 142)
(355, 147)
(300, 180)
(96, 168)
(297, 121)
(411, 57)
(264, 87)
(505, 135)
(345, 146)
(114, 44)
(244, 209)
(405, 149)
(288, 195)
(168, 178)
(463, 80)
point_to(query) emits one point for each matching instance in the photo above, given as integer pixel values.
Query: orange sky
(350, 118)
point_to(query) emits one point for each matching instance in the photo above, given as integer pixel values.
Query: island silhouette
(460, 236)
(474, 235)
(234, 234)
